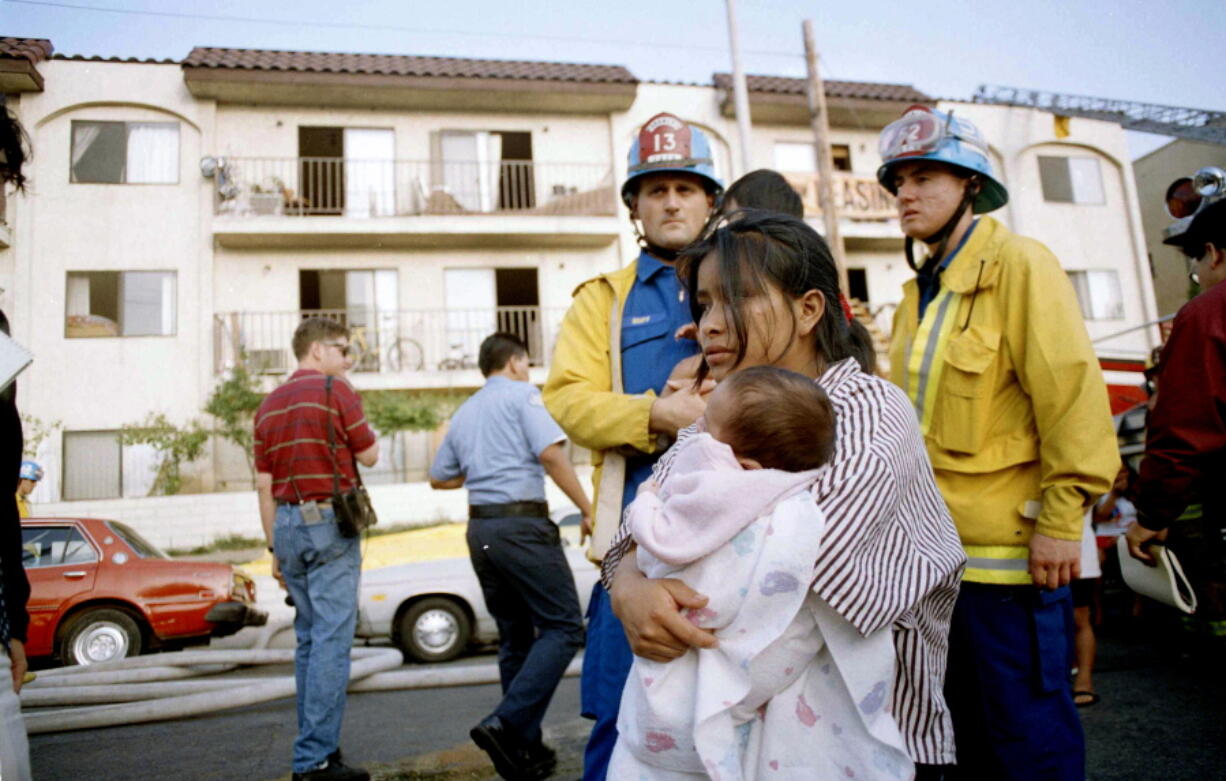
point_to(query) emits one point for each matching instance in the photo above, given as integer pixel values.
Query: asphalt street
(1161, 717)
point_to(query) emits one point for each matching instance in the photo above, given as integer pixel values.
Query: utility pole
(740, 92)
(825, 161)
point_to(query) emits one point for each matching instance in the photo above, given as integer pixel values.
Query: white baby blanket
(793, 691)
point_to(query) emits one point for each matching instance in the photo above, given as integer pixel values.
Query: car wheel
(433, 630)
(101, 635)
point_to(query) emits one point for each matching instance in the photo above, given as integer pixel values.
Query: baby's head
(772, 418)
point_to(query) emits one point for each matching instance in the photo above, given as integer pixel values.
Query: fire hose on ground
(169, 686)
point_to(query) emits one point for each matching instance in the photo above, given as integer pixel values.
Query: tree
(391, 412)
(233, 403)
(176, 445)
(36, 432)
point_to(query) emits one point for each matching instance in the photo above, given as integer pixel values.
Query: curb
(466, 762)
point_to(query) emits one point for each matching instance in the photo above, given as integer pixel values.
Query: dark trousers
(606, 665)
(530, 592)
(1007, 685)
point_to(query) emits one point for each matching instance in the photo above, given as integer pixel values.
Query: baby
(733, 518)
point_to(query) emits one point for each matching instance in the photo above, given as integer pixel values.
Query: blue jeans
(1007, 685)
(606, 664)
(321, 570)
(530, 592)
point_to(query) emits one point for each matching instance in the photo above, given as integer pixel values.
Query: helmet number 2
(665, 142)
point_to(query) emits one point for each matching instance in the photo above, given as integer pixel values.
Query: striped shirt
(890, 556)
(291, 437)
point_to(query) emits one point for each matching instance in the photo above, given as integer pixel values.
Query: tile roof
(404, 65)
(33, 49)
(129, 60)
(868, 90)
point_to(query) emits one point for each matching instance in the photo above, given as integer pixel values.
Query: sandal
(1090, 698)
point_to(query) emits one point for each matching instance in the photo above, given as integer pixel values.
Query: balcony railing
(311, 186)
(856, 197)
(387, 342)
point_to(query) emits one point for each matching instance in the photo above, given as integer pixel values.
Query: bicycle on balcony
(402, 353)
(457, 359)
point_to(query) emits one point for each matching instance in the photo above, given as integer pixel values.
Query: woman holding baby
(764, 292)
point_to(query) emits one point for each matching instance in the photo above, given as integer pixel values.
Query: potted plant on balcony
(264, 200)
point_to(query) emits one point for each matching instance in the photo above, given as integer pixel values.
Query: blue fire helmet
(30, 470)
(668, 144)
(923, 133)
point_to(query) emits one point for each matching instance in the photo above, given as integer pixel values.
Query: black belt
(509, 510)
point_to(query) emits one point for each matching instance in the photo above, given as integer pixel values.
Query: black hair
(862, 348)
(783, 420)
(497, 351)
(1208, 227)
(756, 248)
(765, 189)
(14, 143)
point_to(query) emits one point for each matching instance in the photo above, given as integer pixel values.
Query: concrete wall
(1155, 172)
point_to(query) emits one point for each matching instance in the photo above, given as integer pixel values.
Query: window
(792, 157)
(53, 546)
(143, 548)
(125, 152)
(857, 284)
(1071, 180)
(97, 466)
(484, 171)
(1099, 294)
(120, 303)
(347, 170)
(92, 465)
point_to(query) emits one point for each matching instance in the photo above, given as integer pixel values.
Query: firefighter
(608, 383)
(990, 346)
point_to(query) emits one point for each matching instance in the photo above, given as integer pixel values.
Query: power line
(396, 28)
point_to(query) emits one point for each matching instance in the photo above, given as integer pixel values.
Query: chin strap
(666, 255)
(941, 237)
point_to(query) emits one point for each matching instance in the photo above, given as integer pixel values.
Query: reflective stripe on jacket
(1010, 397)
(584, 393)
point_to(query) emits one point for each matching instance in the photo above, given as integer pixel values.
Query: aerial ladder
(1194, 124)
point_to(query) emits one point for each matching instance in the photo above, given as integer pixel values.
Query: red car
(100, 592)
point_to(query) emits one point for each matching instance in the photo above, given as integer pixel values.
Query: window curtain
(91, 465)
(1087, 180)
(489, 153)
(370, 187)
(471, 298)
(148, 303)
(83, 137)
(153, 153)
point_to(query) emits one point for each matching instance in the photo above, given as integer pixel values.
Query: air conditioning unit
(274, 361)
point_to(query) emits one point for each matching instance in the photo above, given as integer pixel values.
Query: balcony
(412, 348)
(350, 203)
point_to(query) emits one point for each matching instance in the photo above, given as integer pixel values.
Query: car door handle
(75, 575)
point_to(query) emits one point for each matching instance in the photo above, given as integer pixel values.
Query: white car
(433, 610)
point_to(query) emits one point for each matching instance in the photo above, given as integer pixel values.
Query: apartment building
(184, 216)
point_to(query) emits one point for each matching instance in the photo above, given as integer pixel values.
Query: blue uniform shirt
(655, 309)
(495, 441)
(930, 283)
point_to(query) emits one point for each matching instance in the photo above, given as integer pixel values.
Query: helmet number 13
(665, 142)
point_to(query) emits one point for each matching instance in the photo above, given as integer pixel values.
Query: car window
(143, 548)
(53, 546)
